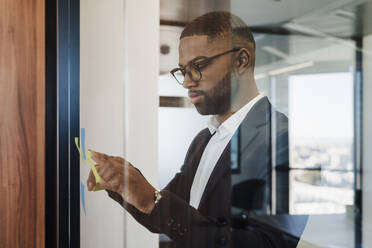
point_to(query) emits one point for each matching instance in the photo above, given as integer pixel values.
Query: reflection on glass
(322, 178)
(309, 77)
(275, 155)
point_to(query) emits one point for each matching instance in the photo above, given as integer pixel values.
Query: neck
(245, 94)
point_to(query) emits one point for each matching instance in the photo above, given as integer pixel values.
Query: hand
(120, 176)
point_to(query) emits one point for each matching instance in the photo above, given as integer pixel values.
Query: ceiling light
(291, 68)
(260, 76)
(275, 52)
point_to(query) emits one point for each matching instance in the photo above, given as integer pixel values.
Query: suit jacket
(230, 194)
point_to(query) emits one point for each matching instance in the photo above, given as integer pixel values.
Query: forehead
(198, 45)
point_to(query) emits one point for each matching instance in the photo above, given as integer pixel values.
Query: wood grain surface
(22, 128)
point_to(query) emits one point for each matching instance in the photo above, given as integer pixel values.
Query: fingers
(117, 159)
(91, 182)
(98, 157)
(110, 169)
(98, 154)
(107, 172)
(101, 157)
(110, 177)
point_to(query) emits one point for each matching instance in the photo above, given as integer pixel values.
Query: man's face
(212, 94)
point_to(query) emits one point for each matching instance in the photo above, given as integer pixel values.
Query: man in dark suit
(231, 166)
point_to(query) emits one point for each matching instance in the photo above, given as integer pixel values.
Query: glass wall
(222, 123)
(307, 65)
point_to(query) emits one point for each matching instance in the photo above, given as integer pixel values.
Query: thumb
(97, 156)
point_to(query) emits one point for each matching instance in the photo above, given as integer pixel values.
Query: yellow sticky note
(92, 166)
(77, 146)
(95, 173)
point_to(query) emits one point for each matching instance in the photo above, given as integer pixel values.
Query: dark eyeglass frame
(198, 65)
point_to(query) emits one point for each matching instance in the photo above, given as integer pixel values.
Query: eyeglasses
(194, 66)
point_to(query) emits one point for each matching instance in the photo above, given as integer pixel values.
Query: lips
(195, 97)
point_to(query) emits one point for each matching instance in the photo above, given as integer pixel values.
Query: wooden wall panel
(22, 128)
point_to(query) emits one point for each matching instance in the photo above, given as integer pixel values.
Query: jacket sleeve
(184, 224)
(189, 228)
(181, 222)
(174, 216)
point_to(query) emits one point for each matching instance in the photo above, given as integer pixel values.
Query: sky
(321, 105)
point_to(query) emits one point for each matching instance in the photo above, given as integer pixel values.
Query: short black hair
(220, 25)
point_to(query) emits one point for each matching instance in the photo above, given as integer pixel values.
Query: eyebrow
(198, 57)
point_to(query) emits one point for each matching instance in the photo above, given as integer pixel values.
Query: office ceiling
(342, 18)
(254, 12)
(332, 22)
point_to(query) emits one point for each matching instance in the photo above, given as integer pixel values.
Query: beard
(217, 100)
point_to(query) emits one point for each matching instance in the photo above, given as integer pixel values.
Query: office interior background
(103, 66)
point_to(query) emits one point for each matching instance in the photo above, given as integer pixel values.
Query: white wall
(101, 112)
(177, 128)
(118, 107)
(141, 50)
(367, 143)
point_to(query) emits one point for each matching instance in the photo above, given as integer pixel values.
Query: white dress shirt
(215, 147)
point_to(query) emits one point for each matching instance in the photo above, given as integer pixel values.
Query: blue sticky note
(83, 142)
(82, 196)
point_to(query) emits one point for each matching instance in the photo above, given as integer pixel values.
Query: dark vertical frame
(68, 75)
(358, 140)
(51, 123)
(62, 123)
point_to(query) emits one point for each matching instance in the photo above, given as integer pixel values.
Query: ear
(243, 60)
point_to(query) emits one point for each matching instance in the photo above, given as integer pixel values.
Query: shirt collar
(213, 124)
(232, 123)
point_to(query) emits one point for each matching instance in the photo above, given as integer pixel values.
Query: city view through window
(321, 153)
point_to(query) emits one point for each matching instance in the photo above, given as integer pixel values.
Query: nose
(188, 83)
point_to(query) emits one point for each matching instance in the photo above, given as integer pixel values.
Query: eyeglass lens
(192, 71)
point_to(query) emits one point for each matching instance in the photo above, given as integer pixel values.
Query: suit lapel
(222, 167)
(257, 117)
(193, 158)
(196, 154)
